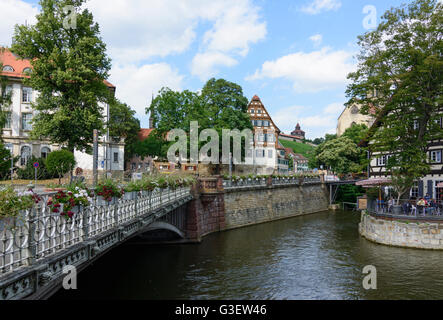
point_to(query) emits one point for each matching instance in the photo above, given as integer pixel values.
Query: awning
(375, 182)
(440, 185)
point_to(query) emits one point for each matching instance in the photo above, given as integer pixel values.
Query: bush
(349, 193)
(5, 163)
(60, 162)
(28, 172)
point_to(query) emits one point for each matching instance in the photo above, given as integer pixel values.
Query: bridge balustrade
(38, 233)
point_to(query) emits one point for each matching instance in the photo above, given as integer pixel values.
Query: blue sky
(293, 54)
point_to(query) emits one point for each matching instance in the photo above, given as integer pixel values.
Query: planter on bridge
(130, 195)
(101, 201)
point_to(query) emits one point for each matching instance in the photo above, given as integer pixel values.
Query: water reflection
(318, 256)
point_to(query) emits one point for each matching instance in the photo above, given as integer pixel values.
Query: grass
(298, 147)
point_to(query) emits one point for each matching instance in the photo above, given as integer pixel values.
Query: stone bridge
(34, 252)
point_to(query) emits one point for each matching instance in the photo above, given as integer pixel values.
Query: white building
(19, 123)
(266, 157)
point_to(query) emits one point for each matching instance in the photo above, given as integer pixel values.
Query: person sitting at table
(390, 204)
(433, 206)
(406, 207)
(421, 204)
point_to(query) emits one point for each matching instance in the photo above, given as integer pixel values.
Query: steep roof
(257, 99)
(7, 58)
(143, 134)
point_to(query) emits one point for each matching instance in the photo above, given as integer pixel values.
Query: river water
(318, 256)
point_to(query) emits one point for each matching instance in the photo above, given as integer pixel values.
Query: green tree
(341, 155)
(5, 163)
(60, 162)
(400, 77)
(220, 105)
(5, 97)
(154, 146)
(69, 69)
(356, 132)
(123, 124)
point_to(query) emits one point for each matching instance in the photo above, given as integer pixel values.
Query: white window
(26, 95)
(414, 190)
(381, 162)
(8, 116)
(416, 125)
(436, 156)
(8, 91)
(8, 69)
(271, 138)
(258, 110)
(271, 154)
(25, 154)
(259, 123)
(27, 121)
(260, 153)
(261, 137)
(265, 123)
(45, 151)
(252, 111)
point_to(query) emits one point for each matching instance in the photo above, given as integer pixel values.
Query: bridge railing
(38, 233)
(251, 182)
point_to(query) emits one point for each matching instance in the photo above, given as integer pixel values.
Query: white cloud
(14, 12)
(136, 30)
(318, 6)
(316, 39)
(204, 65)
(235, 29)
(309, 72)
(137, 84)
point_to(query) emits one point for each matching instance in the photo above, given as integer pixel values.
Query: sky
(294, 54)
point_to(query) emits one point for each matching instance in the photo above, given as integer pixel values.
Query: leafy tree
(400, 77)
(124, 124)
(60, 162)
(356, 132)
(5, 163)
(341, 155)
(349, 193)
(318, 141)
(220, 105)
(69, 69)
(152, 146)
(5, 97)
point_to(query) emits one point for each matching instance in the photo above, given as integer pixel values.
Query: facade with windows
(426, 185)
(265, 152)
(19, 115)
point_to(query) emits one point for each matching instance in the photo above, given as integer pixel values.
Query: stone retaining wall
(255, 205)
(402, 233)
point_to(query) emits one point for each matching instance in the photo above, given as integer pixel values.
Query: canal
(319, 256)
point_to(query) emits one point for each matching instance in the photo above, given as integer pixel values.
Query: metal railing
(251, 182)
(407, 208)
(38, 233)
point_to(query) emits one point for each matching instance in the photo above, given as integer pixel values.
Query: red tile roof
(255, 98)
(7, 58)
(143, 134)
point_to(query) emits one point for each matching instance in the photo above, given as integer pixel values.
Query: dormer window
(27, 70)
(8, 69)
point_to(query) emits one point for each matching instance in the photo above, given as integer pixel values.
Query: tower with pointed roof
(298, 132)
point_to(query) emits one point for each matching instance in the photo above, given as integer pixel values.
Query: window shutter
(420, 188)
(430, 187)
